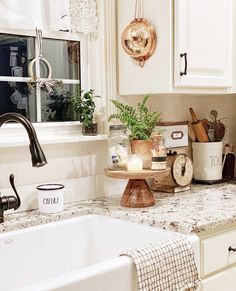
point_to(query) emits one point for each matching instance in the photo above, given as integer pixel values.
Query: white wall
(157, 70)
(175, 107)
(79, 166)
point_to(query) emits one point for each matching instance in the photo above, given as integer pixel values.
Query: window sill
(16, 142)
(14, 135)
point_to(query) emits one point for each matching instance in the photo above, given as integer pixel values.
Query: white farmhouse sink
(75, 254)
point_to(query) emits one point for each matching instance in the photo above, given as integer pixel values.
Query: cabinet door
(225, 281)
(215, 252)
(203, 43)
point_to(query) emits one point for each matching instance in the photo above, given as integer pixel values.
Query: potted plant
(83, 107)
(140, 122)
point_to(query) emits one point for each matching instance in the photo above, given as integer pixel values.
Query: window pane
(64, 58)
(18, 97)
(15, 52)
(56, 106)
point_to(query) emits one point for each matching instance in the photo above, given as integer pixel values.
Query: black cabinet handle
(230, 249)
(186, 64)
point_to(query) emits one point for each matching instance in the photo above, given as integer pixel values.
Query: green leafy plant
(140, 121)
(83, 105)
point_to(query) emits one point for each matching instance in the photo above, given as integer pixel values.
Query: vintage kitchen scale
(181, 173)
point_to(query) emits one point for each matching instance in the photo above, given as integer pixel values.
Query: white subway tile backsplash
(108, 186)
(7, 162)
(63, 163)
(80, 166)
(83, 188)
(101, 163)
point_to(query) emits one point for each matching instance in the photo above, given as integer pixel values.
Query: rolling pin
(198, 127)
(191, 133)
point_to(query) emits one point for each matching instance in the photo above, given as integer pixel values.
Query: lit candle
(135, 163)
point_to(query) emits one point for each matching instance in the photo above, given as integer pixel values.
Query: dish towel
(165, 266)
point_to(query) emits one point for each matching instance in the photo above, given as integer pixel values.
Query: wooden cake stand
(137, 192)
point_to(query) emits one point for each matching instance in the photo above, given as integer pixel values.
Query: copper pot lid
(139, 40)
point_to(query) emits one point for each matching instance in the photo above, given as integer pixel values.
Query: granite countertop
(201, 209)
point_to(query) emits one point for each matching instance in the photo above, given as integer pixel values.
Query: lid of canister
(117, 127)
(230, 147)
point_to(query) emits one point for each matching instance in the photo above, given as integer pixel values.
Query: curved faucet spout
(37, 154)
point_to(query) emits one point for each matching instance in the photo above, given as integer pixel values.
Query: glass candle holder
(135, 162)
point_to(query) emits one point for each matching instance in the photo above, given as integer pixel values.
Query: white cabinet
(218, 261)
(203, 43)
(201, 29)
(224, 281)
(215, 251)
(234, 48)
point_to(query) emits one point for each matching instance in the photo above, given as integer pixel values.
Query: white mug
(51, 197)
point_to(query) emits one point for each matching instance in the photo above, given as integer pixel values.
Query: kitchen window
(63, 51)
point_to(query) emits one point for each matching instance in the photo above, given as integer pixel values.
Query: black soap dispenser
(228, 162)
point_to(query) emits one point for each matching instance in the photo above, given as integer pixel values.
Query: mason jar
(158, 153)
(118, 147)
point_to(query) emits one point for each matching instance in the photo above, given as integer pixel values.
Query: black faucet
(9, 202)
(37, 156)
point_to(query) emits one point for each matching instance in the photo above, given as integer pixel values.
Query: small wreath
(43, 83)
(30, 67)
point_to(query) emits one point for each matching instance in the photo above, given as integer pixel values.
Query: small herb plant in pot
(83, 106)
(140, 122)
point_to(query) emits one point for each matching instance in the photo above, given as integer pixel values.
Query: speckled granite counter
(201, 209)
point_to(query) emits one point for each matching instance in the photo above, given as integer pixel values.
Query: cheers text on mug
(54, 200)
(51, 197)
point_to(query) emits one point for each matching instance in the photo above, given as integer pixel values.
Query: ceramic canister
(50, 198)
(207, 161)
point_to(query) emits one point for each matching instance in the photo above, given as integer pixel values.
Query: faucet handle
(11, 179)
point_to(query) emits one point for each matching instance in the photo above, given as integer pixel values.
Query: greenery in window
(83, 105)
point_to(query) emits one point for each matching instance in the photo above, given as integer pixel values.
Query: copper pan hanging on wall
(139, 38)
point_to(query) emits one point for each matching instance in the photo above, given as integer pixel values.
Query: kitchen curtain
(50, 15)
(83, 16)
